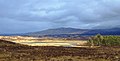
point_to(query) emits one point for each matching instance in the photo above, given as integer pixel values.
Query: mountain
(74, 31)
(113, 31)
(18, 34)
(59, 31)
(65, 32)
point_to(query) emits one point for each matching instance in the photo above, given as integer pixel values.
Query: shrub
(100, 40)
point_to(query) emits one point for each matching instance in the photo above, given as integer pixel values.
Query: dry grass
(16, 52)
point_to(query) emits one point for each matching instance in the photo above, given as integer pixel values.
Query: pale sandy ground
(52, 43)
(45, 42)
(65, 43)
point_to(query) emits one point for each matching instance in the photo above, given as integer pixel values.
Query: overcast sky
(20, 16)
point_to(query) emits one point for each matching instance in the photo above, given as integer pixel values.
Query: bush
(100, 40)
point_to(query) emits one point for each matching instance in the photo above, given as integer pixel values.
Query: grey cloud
(33, 15)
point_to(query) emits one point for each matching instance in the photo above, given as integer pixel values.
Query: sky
(20, 16)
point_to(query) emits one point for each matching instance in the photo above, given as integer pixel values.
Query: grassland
(10, 51)
(44, 41)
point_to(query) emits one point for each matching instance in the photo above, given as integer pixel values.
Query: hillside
(113, 31)
(4, 43)
(59, 31)
(74, 31)
(65, 32)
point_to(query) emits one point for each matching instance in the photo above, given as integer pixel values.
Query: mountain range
(74, 31)
(69, 31)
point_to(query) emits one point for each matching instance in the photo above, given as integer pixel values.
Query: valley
(60, 45)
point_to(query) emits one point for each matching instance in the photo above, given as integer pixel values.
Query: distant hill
(112, 31)
(58, 31)
(73, 31)
(65, 32)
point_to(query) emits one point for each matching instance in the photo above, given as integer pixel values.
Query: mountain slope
(113, 31)
(69, 31)
(59, 31)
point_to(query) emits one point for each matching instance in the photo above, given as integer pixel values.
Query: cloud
(34, 15)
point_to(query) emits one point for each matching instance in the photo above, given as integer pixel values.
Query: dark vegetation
(15, 52)
(100, 40)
